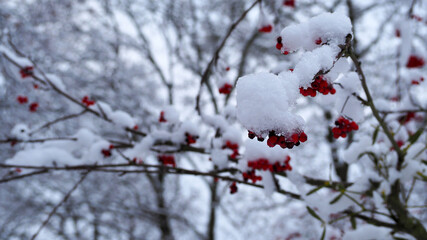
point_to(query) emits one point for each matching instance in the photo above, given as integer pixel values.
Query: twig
(206, 73)
(59, 204)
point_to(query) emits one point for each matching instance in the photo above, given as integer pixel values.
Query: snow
(311, 63)
(220, 157)
(122, 119)
(56, 81)
(351, 155)
(23, 62)
(171, 114)
(20, 131)
(264, 105)
(329, 27)
(268, 183)
(43, 157)
(368, 232)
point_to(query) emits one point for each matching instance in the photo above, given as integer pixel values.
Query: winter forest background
(225, 119)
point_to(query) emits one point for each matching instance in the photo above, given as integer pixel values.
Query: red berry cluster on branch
(415, 62)
(27, 71)
(250, 175)
(167, 160)
(107, 152)
(294, 139)
(279, 46)
(190, 139)
(417, 82)
(33, 107)
(343, 126)
(318, 85)
(233, 188)
(87, 102)
(225, 89)
(234, 147)
(22, 99)
(162, 117)
(264, 164)
(266, 29)
(289, 3)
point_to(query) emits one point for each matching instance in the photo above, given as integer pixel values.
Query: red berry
(295, 138)
(397, 33)
(272, 141)
(106, 152)
(233, 188)
(251, 135)
(415, 62)
(227, 69)
(33, 107)
(266, 29)
(279, 46)
(27, 71)
(22, 99)
(289, 3)
(318, 41)
(162, 117)
(135, 127)
(285, 52)
(36, 86)
(87, 102)
(226, 88)
(303, 137)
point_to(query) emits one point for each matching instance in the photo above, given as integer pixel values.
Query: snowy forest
(213, 119)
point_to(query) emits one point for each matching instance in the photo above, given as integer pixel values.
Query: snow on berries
(33, 107)
(343, 126)
(87, 102)
(415, 62)
(331, 28)
(27, 71)
(234, 147)
(22, 99)
(167, 160)
(264, 104)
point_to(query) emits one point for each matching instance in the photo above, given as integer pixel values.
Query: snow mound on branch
(329, 27)
(368, 232)
(264, 103)
(43, 157)
(20, 131)
(312, 62)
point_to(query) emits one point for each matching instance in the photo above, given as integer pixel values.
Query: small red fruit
(289, 3)
(27, 71)
(226, 88)
(33, 107)
(266, 29)
(22, 99)
(318, 41)
(415, 62)
(162, 117)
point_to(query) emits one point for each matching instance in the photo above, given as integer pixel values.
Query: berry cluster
(233, 188)
(107, 152)
(225, 89)
(190, 139)
(415, 62)
(33, 107)
(417, 82)
(234, 147)
(162, 117)
(264, 164)
(284, 142)
(266, 29)
(167, 160)
(289, 3)
(87, 102)
(279, 46)
(22, 99)
(343, 126)
(320, 85)
(250, 175)
(137, 160)
(27, 71)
